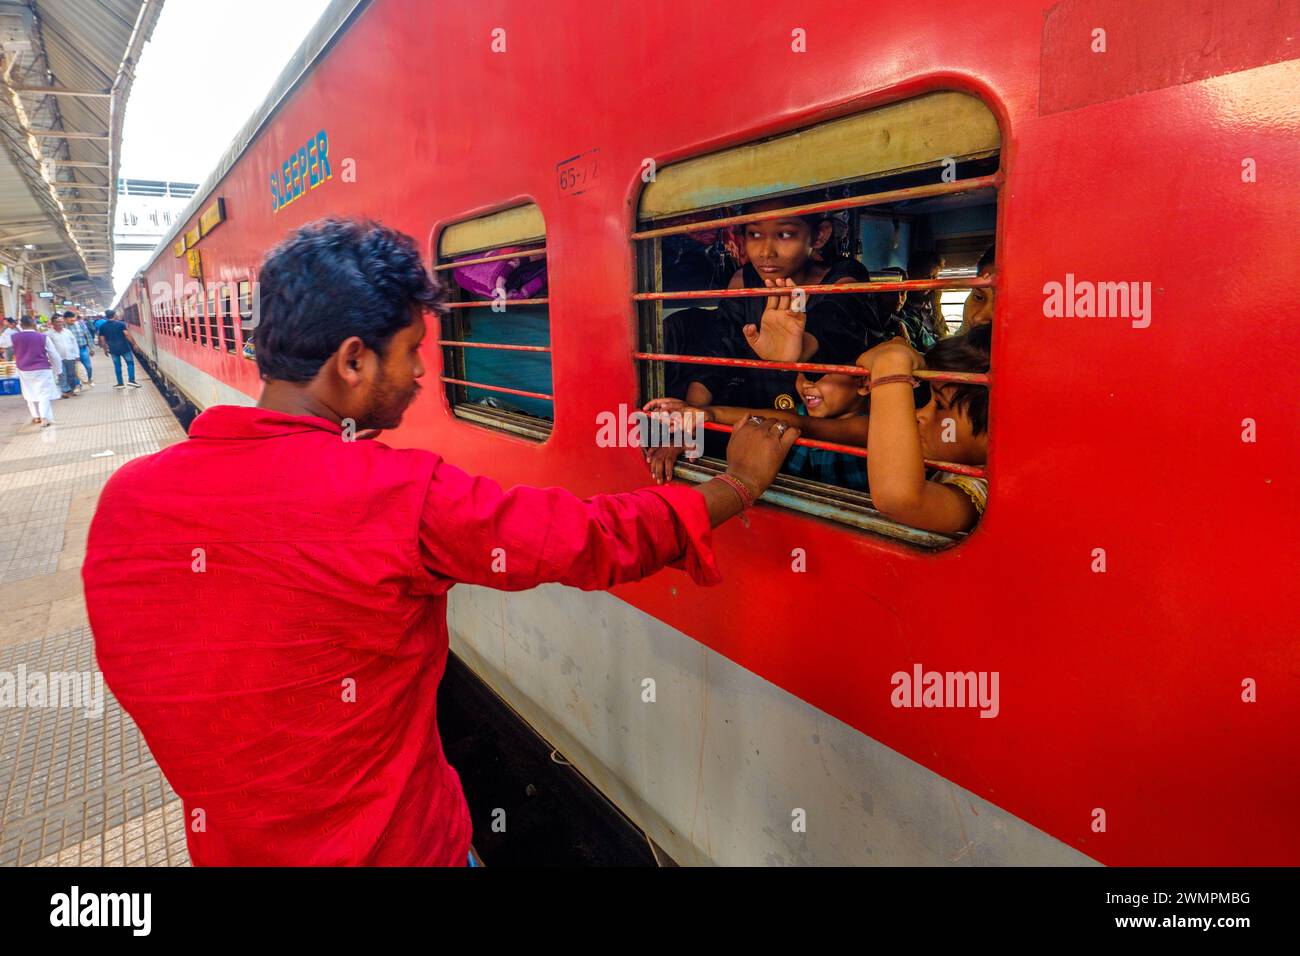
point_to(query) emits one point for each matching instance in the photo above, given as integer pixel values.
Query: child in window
(952, 427)
(796, 251)
(832, 408)
(978, 309)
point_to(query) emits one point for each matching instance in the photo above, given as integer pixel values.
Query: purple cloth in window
(522, 278)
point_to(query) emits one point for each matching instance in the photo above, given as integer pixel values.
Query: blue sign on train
(302, 172)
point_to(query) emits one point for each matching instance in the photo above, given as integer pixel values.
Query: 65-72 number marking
(577, 173)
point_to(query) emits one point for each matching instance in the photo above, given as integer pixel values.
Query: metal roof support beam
(15, 236)
(76, 163)
(66, 134)
(55, 91)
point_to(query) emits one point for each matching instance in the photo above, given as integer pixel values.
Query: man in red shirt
(268, 597)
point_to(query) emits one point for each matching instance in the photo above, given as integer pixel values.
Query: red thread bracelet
(891, 379)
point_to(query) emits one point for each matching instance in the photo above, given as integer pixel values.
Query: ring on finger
(754, 419)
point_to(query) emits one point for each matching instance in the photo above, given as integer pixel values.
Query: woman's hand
(779, 337)
(679, 418)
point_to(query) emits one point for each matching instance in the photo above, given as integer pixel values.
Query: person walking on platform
(7, 338)
(65, 343)
(37, 360)
(289, 690)
(85, 342)
(112, 338)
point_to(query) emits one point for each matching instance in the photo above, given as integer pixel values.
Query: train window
(200, 321)
(214, 336)
(246, 325)
(496, 335)
(191, 328)
(227, 320)
(246, 306)
(910, 193)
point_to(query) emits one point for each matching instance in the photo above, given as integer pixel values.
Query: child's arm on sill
(895, 463)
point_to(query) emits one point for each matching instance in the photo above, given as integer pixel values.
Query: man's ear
(350, 359)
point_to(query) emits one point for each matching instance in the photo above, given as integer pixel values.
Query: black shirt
(842, 324)
(114, 333)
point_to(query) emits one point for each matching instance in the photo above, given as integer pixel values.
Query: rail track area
(552, 815)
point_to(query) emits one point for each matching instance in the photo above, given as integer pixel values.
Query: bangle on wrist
(738, 486)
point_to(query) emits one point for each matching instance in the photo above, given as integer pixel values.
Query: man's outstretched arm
(474, 532)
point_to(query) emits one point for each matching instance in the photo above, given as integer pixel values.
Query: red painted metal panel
(1120, 690)
(1099, 50)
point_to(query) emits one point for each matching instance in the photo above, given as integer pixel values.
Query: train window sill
(840, 505)
(499, 419)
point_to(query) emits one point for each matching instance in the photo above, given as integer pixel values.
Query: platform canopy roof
(66, 68)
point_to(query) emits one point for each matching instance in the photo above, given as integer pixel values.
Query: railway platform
(78, 786)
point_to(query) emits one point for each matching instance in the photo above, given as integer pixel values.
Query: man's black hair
(333, 279)
(109, 313)
(69, 315)
(986, 262)
(968, 352)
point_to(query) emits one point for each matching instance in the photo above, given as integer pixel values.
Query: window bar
(966, 378)
(841, 288)
(495, 388)
(449, 343)
(522, 254)
(491, 302)
(971, 470)
(875, 199)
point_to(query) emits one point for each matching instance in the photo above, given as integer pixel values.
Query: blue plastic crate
(10, 386)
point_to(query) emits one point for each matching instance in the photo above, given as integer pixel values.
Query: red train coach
(1122, 608)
